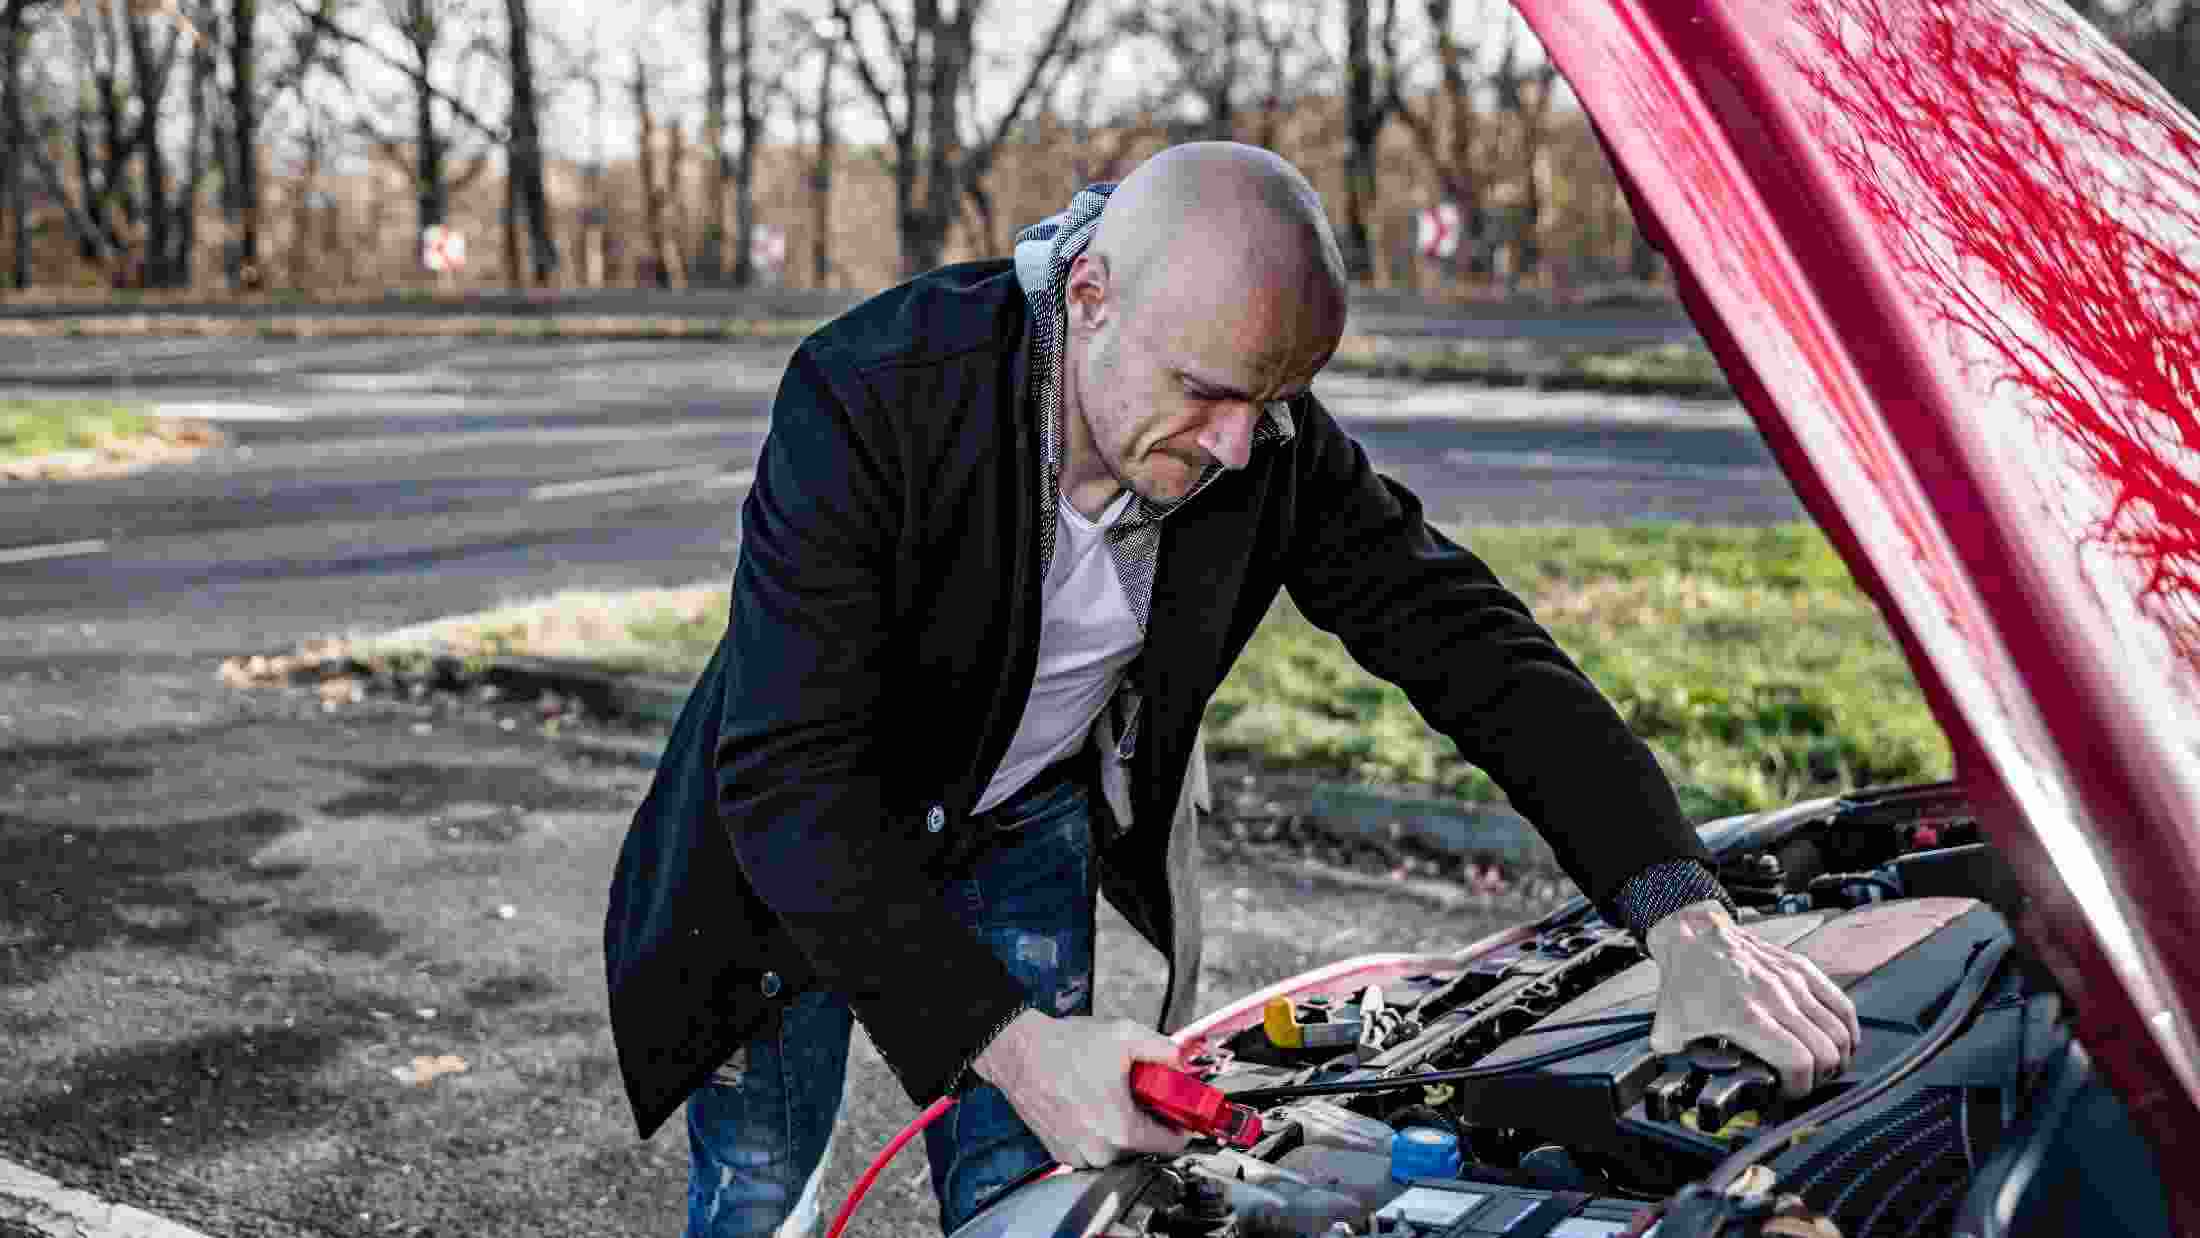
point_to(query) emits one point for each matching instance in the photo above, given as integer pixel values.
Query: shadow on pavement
(74, 887)
(423, 789)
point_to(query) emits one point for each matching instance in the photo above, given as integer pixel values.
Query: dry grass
(626, 631)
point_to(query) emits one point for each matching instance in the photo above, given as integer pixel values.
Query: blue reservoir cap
(1423, 1152)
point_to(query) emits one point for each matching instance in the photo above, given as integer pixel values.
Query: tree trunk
(744, 173)
(151, 78)
(241, 187)
(924, 231)
(711, 262)
(13, 197)
(429, 181)
(1363, 126)
(525, 160)
(821, 171)
(653, 202)
(182, 258)
(515, 267)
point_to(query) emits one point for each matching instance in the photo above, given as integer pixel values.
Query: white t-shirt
(1087, 636)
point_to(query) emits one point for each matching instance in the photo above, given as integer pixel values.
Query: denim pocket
(1047, 807)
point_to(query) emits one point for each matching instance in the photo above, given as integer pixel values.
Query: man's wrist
(1695, 921)
(1001, 1053)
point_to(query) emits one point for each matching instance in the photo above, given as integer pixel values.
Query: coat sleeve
(806, 739)
(1421, 612)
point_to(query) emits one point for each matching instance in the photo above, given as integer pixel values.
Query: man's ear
(1086, 296)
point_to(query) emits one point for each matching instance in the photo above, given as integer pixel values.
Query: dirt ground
(337, 970)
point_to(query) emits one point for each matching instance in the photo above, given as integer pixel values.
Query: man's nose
(1228, 437)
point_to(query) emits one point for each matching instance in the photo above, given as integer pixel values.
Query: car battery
(1452, 1208)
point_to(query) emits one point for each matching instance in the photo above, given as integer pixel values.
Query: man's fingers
(1779, 1048)
(1148, 1135)
(1827, 1018)
(1834, 1000)
(1163, 1051)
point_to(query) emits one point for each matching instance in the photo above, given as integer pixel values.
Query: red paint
(1949, 253)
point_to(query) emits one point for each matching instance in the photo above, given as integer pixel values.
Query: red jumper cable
(1173, 1096)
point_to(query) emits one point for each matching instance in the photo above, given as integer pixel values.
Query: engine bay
(1519, 1095)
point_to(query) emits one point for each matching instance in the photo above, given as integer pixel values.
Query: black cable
(1260, 1097)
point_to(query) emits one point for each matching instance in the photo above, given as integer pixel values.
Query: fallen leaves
(166, 439)
(426, 1070)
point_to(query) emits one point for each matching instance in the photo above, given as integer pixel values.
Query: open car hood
(1948, 252)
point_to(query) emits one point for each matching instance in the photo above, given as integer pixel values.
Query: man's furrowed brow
(1228, 391)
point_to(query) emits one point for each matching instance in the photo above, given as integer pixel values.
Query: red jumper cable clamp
(1185, 1103)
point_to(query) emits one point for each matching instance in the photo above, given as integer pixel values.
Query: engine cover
(1573, 1086)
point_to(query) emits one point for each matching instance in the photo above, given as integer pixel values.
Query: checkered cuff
(1662, 889)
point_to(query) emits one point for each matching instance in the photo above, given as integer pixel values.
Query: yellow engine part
(1281, 1021)
(1737, 1126)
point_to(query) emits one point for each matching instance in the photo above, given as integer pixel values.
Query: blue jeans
(759, 1132)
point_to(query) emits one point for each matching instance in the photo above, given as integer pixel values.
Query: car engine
(1518, 1095)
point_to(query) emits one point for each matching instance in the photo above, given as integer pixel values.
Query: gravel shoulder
(236, 955)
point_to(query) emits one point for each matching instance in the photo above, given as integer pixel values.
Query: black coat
(880, 648)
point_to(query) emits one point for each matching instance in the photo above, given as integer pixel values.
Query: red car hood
(1948, 251)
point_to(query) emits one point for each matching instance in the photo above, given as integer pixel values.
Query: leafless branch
(328, 25)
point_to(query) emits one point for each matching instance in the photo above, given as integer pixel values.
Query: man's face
(1174, 381)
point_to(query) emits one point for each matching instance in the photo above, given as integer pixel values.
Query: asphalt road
(224, 912)
(373, 483)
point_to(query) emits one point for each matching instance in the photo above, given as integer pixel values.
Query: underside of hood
(1948, 254)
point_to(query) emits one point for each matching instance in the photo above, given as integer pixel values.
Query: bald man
(1013, 522)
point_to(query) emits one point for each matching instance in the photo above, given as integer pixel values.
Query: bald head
(1219, 216)
(1211, 289)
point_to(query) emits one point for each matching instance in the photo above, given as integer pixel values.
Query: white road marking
(209, 410)
(51, 1208)
(52, 550)
(621, 483)
(726, 481)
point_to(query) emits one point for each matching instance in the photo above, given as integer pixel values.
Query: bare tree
(1526, 95)
(241, 185)
(1367, 110)
(1290, 65)
(749, 115)
(14, 117)
(717, 66)
(1205, 41)
(152, 59)
(664, 252)
(936, 150)
(523, 158)
(817, 45)
(102, 138)
(1445, 131)
(442, 39)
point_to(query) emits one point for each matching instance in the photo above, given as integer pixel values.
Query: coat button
(771, 984)
(935, 819)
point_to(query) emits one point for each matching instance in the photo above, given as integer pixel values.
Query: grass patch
(666, 631)
(36, 427)
(1745, 657)
(1667, 364)
(1688, 369)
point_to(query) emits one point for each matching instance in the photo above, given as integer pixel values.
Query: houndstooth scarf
(1044, 252)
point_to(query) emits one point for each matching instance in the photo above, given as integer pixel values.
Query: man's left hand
(1719, 979)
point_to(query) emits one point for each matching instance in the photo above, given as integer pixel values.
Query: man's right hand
(1069, 1079)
